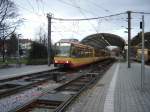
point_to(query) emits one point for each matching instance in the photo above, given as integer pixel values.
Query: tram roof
(137, 40)
(102, 40)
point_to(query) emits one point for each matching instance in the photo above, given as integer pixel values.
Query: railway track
(18, 84)
(61, 97)
(15, 85)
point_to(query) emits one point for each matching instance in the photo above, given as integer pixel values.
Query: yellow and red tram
(74, 54)
(146, 55)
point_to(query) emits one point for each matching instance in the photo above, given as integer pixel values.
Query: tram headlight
(67, 61)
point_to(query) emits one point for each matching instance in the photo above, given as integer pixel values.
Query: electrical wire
(56, 30)
(30, 5)
(91, 23)
(26, 9)
(98, 6)
(69, 4)
(147, 13)
(40, 4)
(79, 8)
(37, 4)
(85, 19)
(43, 6)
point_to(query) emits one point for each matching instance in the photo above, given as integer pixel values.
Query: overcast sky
(34, 12)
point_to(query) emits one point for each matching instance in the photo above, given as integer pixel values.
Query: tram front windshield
(63, 49)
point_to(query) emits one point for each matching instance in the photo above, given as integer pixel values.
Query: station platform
(119, 90)
(23, 70)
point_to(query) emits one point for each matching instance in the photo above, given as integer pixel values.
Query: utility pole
(142, 59)
(129, 37)
(49, 46)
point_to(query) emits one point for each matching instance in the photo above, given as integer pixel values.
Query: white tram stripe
(109, 101)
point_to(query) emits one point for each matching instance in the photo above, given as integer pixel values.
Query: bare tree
(8, 21)
(7, 12)
(41, 36)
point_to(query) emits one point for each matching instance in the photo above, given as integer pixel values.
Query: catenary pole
(142, 59)
(49, 46)
(129, 37)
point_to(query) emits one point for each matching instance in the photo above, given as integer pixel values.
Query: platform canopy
(137, 40)
(103, 40)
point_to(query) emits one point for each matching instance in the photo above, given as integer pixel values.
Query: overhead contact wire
(85, 19)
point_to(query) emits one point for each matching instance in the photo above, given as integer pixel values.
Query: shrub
(37, 62)
(37, 54)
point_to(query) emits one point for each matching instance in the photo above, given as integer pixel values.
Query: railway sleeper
(18, 88)
(64, 94)
(58, 76)
(48, 102)
(5, 87)
(72, 88)
(77, 84)
(85, 80)
(51, 105)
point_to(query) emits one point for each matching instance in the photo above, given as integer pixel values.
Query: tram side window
(77, 52)
(90, 52)
(148, 52)
(81, 52)
(87, 52)
(74, 52)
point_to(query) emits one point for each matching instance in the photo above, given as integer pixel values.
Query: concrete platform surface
(118, 91)
(23, 70)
